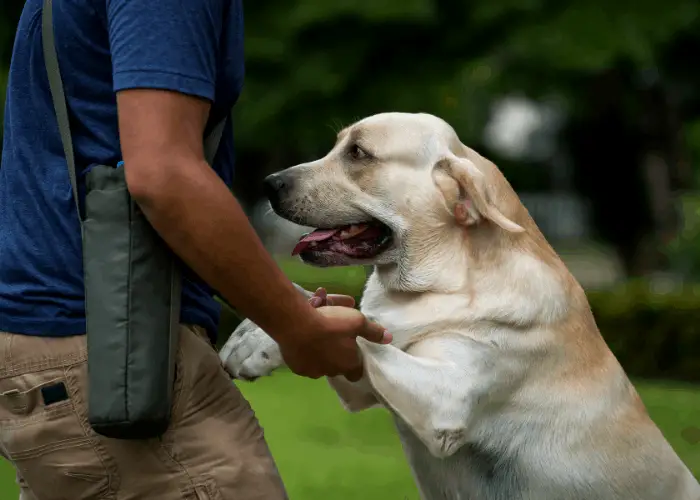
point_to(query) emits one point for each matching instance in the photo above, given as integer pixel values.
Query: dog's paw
(250, 353)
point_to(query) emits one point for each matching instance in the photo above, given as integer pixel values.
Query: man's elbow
(151, 182)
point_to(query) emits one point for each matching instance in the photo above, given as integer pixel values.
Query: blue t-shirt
(104, 46)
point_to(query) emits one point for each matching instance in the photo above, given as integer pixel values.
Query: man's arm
(165, 55)
(196, 214)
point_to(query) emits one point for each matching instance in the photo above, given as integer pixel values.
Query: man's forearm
(195, 213)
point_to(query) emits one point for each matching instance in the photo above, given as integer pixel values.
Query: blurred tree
(623, 69)
(618, 65)
(343, 60)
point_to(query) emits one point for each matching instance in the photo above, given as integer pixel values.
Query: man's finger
(319, 298)
(354, 375)
(341, 300)
(376, 333)
(313, 374)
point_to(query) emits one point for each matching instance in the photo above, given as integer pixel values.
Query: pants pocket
(206, 490)
(44, 434)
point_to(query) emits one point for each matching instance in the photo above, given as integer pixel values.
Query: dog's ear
(473, 202)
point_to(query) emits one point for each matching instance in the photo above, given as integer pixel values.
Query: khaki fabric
(214, 449)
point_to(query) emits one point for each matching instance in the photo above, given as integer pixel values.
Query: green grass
(350, 279)
(324, 452)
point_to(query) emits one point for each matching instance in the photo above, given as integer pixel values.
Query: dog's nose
(275, 182)
(276, 186)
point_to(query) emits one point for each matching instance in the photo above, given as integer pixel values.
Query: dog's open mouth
(360, 241)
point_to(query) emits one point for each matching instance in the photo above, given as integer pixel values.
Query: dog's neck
(513, 287)
(434, 263)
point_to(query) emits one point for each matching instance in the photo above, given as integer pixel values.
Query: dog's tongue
(326, 234)
(317, 235)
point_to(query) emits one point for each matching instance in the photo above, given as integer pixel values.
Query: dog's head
(395, 190)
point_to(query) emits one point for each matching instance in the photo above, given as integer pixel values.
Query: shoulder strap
(211, 143)
(57, 94)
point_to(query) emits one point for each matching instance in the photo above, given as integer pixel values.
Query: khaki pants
(213, 450)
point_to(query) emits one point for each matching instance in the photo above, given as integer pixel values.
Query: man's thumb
(376, 333)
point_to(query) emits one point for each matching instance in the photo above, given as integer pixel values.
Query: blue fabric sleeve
(165, 44)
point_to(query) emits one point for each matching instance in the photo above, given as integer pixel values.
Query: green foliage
(684, 250)
(339, 61)
(654, 335)
(315, 66)
(590, 35)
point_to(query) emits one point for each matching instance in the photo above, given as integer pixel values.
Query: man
(142, 80)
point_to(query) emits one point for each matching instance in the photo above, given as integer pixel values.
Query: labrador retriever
(500, 383)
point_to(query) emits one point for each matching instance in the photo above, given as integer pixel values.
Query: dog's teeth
(351, 231)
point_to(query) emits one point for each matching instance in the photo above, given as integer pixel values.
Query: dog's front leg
(437, 388)
(250, 353)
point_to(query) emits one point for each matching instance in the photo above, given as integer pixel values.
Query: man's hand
(321, 298)
(329, 347)
(250, 353)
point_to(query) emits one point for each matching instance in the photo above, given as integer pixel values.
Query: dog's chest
(407, 317)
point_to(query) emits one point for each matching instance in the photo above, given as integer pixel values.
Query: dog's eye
(356, 152)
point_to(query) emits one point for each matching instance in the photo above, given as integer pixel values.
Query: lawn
(324, 452)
